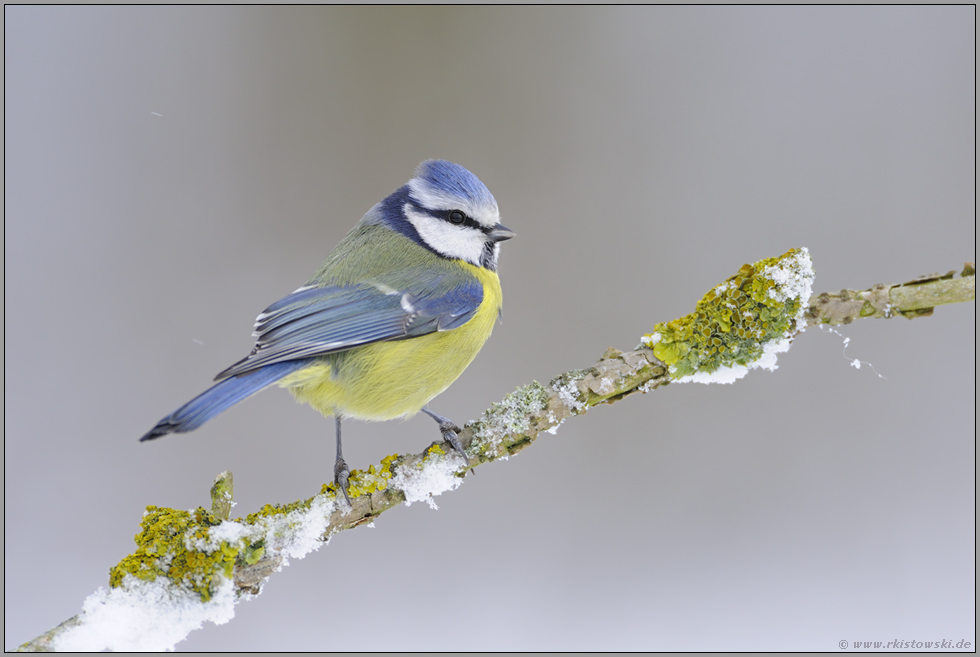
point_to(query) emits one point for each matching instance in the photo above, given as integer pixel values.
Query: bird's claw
(454, 441)
(341, 477)
(449, 434)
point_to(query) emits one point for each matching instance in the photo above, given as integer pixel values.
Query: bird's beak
(501, 233)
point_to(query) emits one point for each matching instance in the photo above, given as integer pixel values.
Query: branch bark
(915, 298)
(509, 427)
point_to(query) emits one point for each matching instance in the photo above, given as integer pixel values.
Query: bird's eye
(457, 217)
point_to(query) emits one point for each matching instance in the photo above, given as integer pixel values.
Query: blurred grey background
(169, 172)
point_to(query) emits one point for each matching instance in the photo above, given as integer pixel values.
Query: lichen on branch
(192, 566)
(764, 303)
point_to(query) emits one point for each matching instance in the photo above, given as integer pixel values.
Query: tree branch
(916, 298)
(194, 566)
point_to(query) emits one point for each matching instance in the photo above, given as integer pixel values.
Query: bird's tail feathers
(222, 396)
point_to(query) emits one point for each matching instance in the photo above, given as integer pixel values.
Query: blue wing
(315, 321)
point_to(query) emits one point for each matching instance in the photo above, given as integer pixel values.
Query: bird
(396, 312)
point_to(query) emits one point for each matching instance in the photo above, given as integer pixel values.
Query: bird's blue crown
(453, 180)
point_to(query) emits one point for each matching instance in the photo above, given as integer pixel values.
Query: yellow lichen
(179, 545)
(432, 449)
(270, 510)
(372, 481)
(733, 321)
(163, 548)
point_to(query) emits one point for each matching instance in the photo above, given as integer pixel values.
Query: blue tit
(390, 319)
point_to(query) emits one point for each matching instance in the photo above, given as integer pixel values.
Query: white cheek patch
(452, 241)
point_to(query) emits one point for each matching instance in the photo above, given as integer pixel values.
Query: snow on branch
(194, 566)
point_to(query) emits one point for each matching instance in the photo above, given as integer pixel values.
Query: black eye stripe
(453, 217)
(445, 216)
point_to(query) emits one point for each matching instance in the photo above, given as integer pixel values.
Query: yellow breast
(387, 380)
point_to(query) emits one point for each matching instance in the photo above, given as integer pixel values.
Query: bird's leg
(341, 473)
(449, 431)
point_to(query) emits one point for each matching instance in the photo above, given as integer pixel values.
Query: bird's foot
(341, 477)
(449, 433)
